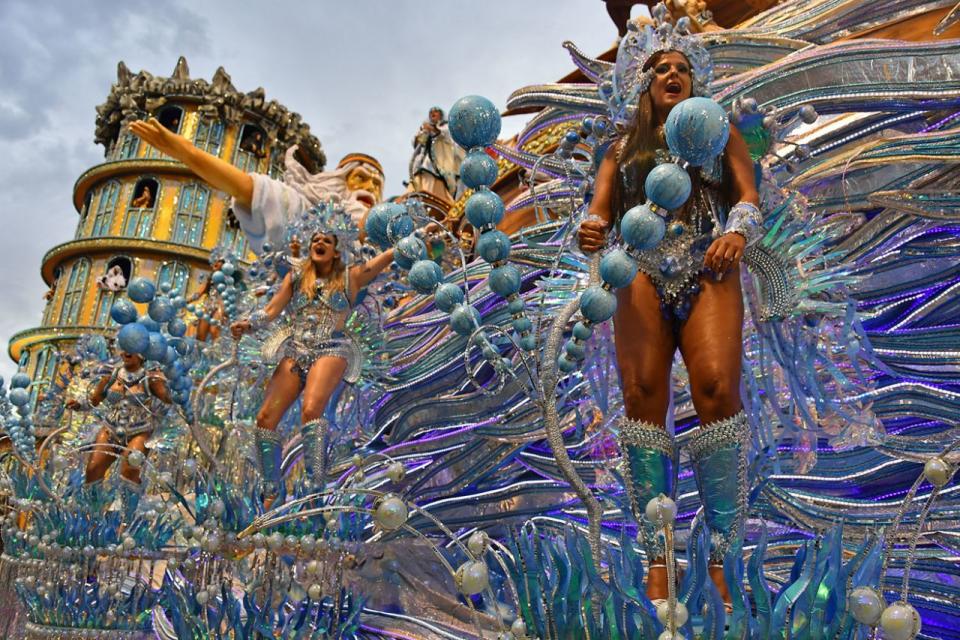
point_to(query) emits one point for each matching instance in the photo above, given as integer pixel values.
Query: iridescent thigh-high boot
(718, 454)
(649, 469)
(130, 493)
(314, 437)
(269, 449)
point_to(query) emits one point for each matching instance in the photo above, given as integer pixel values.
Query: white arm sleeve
(274, 205)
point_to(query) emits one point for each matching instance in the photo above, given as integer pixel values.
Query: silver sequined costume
(676, 264)
(130, 412)
(315, 329)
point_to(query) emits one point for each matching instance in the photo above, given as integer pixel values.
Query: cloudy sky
(362, 72)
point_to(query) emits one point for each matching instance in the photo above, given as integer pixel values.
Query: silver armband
(258, 319)
(745, 218)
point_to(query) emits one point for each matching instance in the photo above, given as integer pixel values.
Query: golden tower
(147, 214)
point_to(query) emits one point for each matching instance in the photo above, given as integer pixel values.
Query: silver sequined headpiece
(643, 42)
(327, 217)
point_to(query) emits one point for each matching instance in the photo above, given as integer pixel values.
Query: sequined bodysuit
(316, 330)
(676, 264)
(129, 408)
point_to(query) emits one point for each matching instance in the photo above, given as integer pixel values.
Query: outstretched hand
(159, 137)
(724, 253)
(237, 329)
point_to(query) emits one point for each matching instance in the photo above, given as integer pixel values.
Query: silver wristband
(745, 218)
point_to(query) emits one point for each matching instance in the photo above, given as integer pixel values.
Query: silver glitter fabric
(130, 412)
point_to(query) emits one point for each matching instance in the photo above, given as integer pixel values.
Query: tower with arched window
(142, 213)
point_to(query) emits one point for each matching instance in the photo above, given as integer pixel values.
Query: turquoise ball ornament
(123, 311)
(493, 246)
(575, 350)
(484, 209)
(177, 328)
(641, 228)
(133, 338)
(156, 347)
(697, 130)
(522, 324)
(474, 121)
(141, 290)
(149, 323)
(565, 364)
(667, 186)
(464, 319)
(378, 220)
(527, 342)
(424, 276)
(399, 226)
(582, 331)
(447, 297)
(478, 169)
(161, 309)
(617, 268)
(597, 304)
(19, 380)
(19, 397)
(516, 305)
(504, 281)
(408, 251)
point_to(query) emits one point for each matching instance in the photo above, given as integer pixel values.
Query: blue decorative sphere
(474, 122)
(522, 325)
(161, 309)
(424, 276)
(149, 323)
(133, 338)
(597, 304)
(20, 380)
(670, 266)
(641, 228)
(447, 297)
(123, 311)
(617, 268)
(177, 328)
(171, 355)
(19, 397)
(483, 209)
(157, 347)
(582, 331)
(697, 130)
(575, 350)
(179, 302)
(464, 319)
(515, 306)
(218, 277)
(493, 246)
(141, 290)
(378, 219)
(478, 169)
(408, 251)
(399, 226)
(228, 268)
(182, 346)
(565, 364)
(505, 280)
(528, 342)
(667, 186)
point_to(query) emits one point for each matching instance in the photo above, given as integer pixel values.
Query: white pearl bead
(900, 621)
(391, 513)
(519, 628)
(680, 613)
(865, 605)
(666, 635)
(472, 578)
(314, 592)
(661, 511)
(938, 471)
(396, 471)
(477, 542)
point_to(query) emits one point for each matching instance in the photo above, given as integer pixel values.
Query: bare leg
(711, 342)
(282, 391)
(137, 443)
(101, 457)
(645, 347)
(322, 380)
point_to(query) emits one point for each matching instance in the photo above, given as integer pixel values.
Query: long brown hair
(639, 145)
(308, 273)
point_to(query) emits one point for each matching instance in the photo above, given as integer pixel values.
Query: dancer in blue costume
(687, 296)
